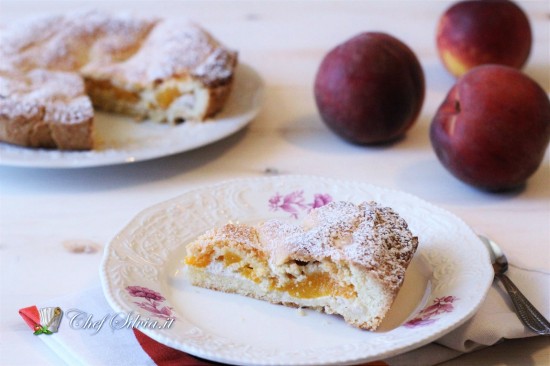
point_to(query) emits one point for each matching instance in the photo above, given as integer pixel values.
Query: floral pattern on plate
(294, 202)
(152, 301)
(428, 315)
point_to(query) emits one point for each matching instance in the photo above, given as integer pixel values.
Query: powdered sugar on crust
(121, 48)
(368, 235)
(70, 41)
(60, 94)
(175, 49)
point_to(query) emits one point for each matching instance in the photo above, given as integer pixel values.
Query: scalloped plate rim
(484, 283)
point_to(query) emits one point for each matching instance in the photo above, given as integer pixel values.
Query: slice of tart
(344, 259)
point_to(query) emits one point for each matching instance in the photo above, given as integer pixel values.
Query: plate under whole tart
(122, 140)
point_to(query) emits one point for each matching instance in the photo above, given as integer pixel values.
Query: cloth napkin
(494, 321)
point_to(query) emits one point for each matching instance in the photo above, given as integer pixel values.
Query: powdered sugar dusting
(367, 234)
(68, 42)
(61, 94)
(12, 109)
(77, 110)
(133, 50)
(175, 49)
(214, 67)
(136, 50)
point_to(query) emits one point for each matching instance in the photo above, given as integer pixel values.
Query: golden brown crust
(218, 96)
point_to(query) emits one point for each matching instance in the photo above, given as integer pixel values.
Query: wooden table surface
(42, 210)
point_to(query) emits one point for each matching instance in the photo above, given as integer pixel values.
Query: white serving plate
(121, 139)
(445, 283)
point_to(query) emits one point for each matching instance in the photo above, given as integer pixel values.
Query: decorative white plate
(445, 283)
(121, 139)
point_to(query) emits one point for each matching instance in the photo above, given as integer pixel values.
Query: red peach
(472, 33)
(370, 89)
(493, 128)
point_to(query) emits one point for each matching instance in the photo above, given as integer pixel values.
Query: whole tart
(160, 69)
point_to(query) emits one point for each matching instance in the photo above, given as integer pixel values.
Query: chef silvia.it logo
(79, 319)
(47, 320)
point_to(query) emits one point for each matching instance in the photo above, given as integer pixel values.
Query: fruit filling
(167, 96)
(230, 258)
(200, 261)
(317, 284)
(311, 285)
(107, 86)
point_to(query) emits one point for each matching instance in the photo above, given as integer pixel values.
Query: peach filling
(230, 258)
(248, 272)
(118, 93)
(167, 96)
(204, 259)
(317, 284)
(200, 261)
